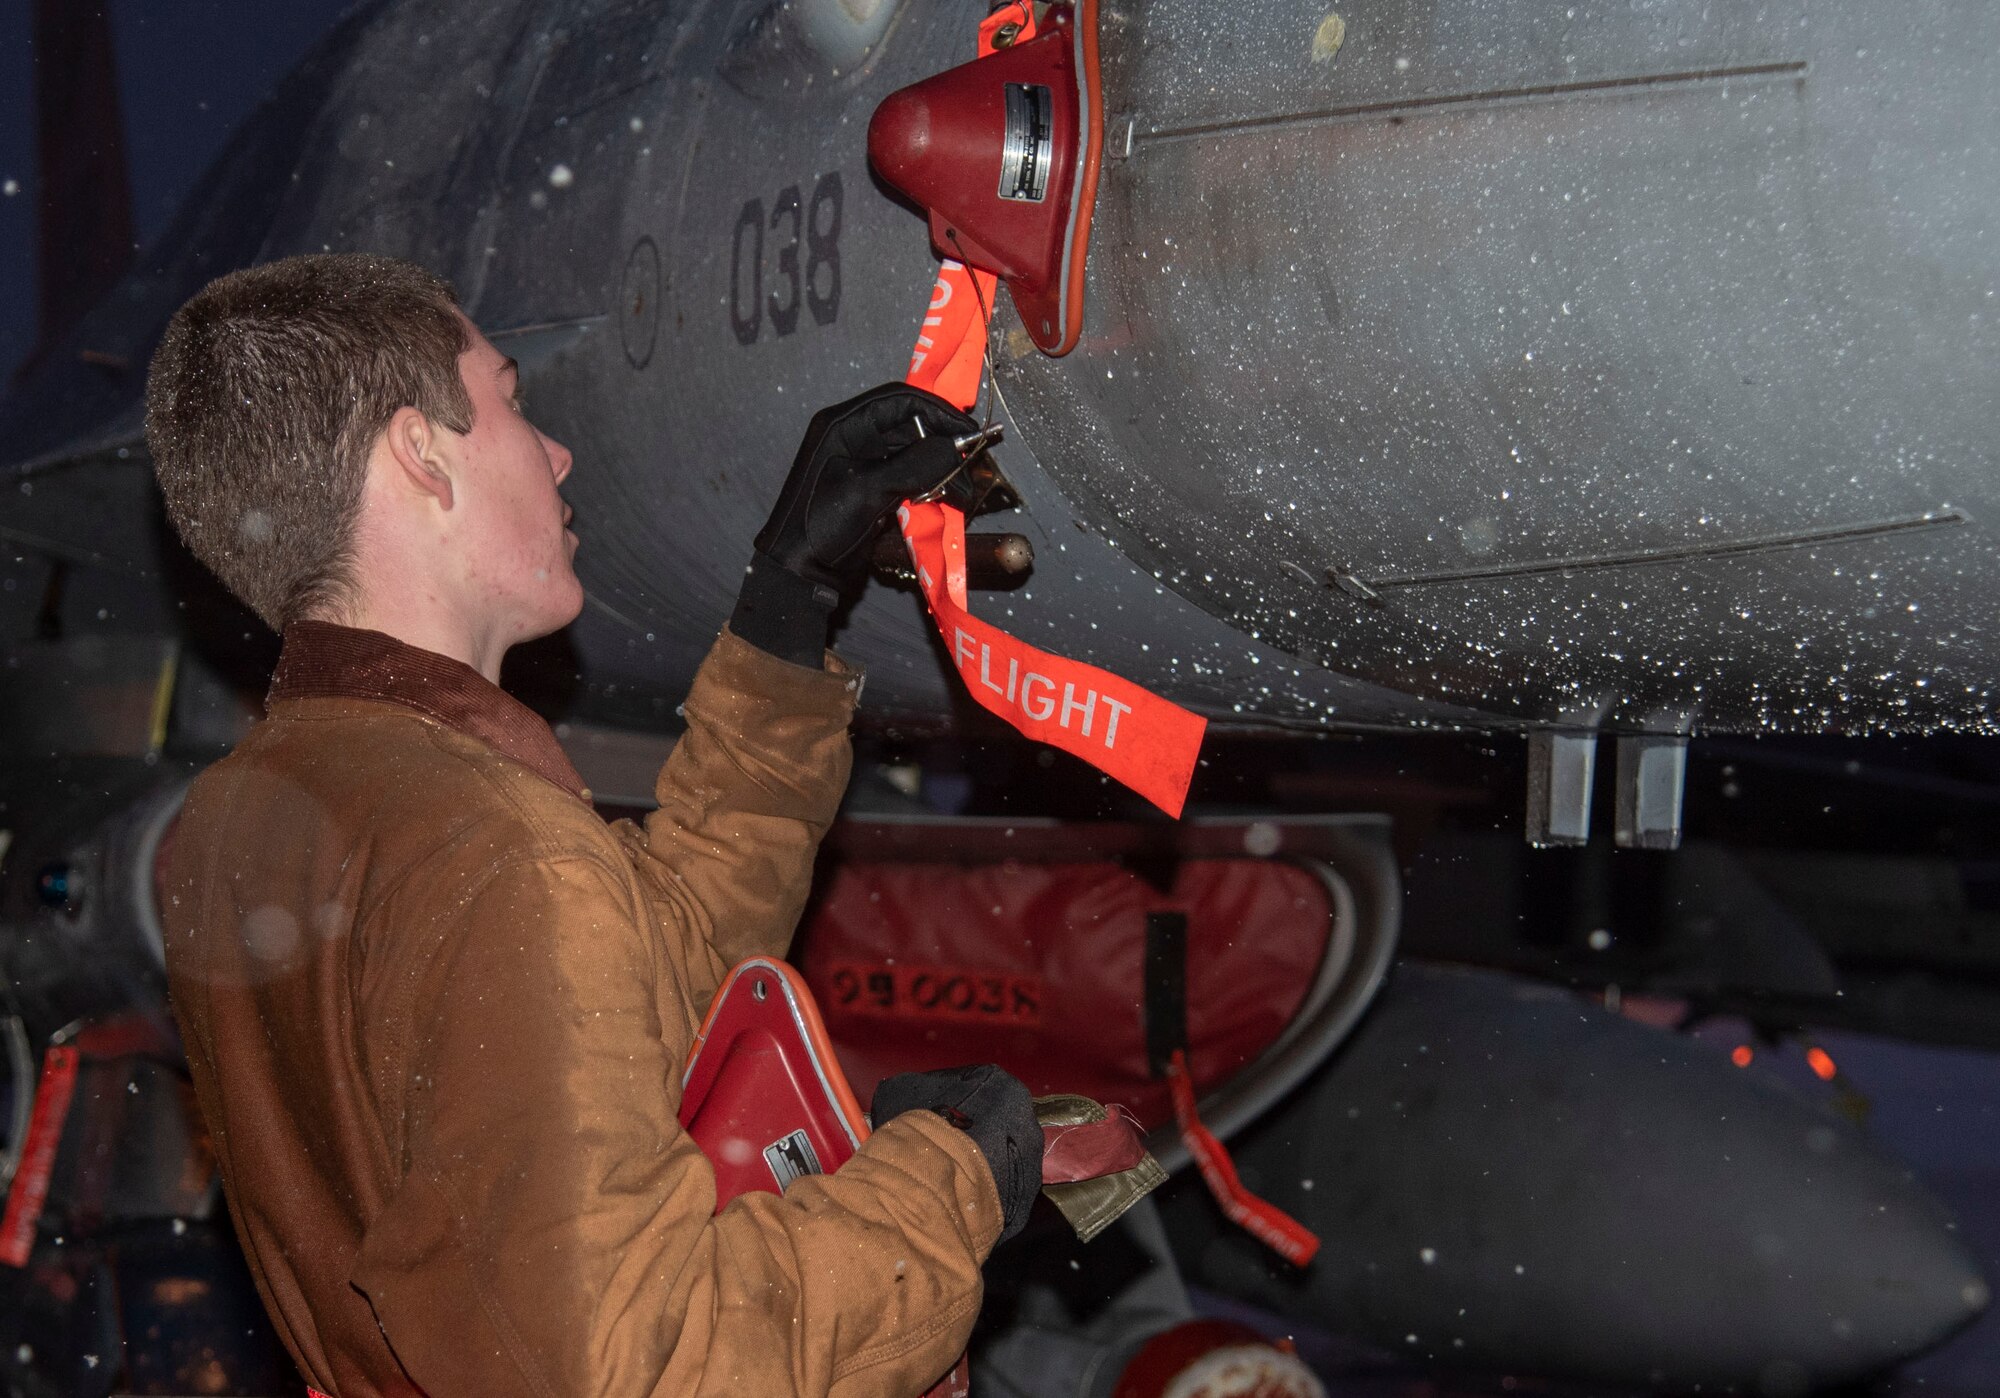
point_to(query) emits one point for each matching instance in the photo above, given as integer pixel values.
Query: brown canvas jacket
(438, 1010)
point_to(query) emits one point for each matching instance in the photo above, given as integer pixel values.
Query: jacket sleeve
(746, 795)
(554, 1231)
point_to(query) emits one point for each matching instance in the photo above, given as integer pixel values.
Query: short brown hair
(265, 398)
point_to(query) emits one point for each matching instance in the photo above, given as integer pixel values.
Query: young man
(437, 1010)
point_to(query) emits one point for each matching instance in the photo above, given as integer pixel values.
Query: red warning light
(1821, 1062)
(1741, 1055)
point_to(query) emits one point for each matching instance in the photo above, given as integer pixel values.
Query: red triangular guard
(763, 1095)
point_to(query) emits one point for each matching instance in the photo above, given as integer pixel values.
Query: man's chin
(573, 606)
(557, 611)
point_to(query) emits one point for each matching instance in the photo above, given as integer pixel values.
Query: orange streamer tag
(1019, 14)
(1261, 1219)
(951, 348)
(1122, 730)
(30, 1189)
(950, 352)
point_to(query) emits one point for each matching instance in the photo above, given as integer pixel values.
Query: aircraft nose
(1926, 1287)
(1842, 1264)
(1921, 1283)
(1510, 1178)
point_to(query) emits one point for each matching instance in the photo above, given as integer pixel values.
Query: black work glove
(859, 461)
(993, 1107)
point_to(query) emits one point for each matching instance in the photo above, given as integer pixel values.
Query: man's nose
(560, 458)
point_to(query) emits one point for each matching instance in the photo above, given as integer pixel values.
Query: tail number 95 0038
(936, 992)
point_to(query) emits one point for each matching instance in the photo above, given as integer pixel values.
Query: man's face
(516, 525)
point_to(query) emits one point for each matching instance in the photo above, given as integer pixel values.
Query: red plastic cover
(761, 1096)
(1040, 967)
(1004, 153)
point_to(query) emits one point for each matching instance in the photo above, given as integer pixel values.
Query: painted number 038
(786, 261)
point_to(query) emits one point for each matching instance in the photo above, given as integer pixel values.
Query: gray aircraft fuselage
(1624, 366)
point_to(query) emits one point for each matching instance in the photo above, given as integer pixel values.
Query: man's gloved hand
(993, 1107)
(859, 460)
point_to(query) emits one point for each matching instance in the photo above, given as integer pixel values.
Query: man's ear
(415, 449)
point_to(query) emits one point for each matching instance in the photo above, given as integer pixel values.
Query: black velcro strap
(1166, 989)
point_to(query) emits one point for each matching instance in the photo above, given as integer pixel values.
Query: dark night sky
(189, 72)
(17, 160)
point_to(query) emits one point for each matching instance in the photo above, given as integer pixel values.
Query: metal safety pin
(972, 443)
(967, 447)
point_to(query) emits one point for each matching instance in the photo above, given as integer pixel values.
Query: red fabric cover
(1240, 1364)
(1039, 967)
(1092, 1149)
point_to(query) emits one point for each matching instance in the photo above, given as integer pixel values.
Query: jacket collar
(323, 661)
